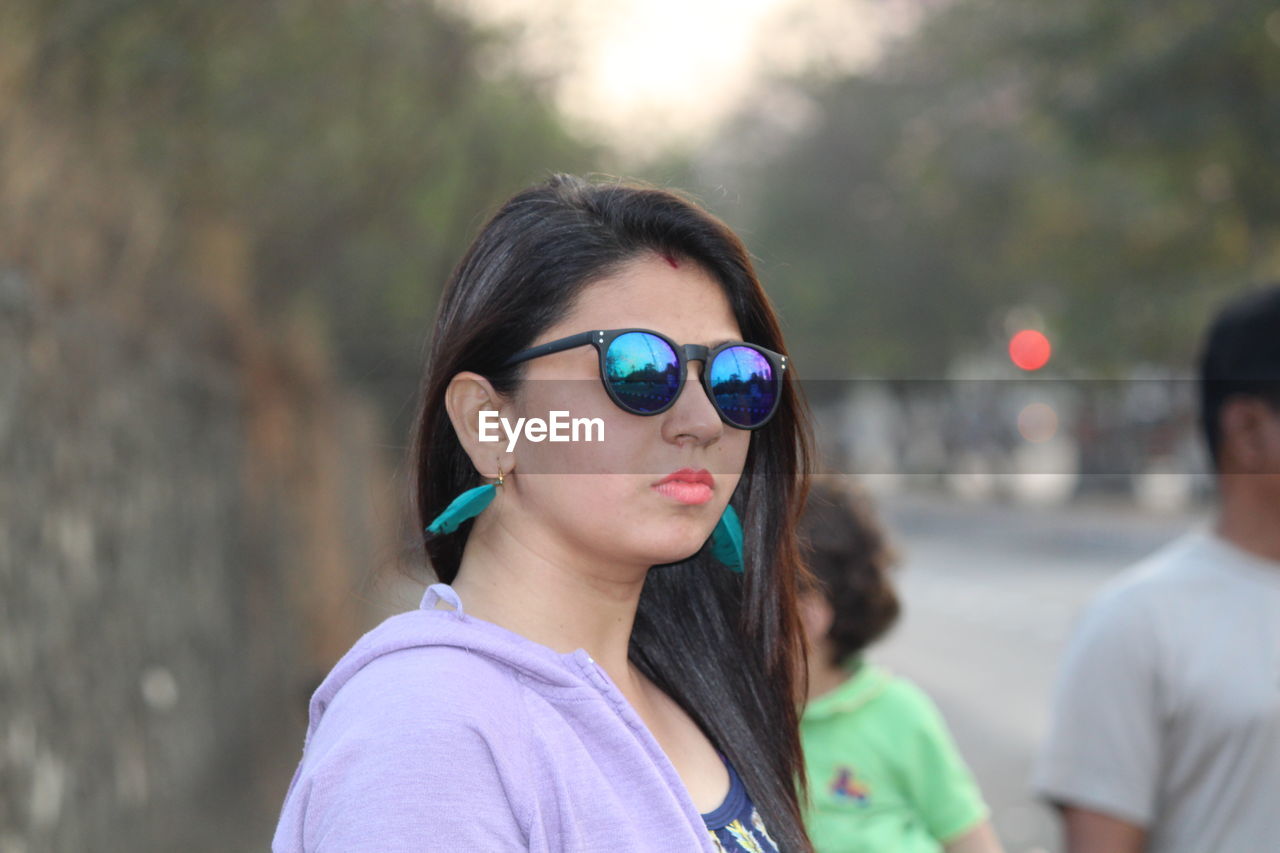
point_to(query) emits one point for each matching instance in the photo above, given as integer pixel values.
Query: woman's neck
(563, 601)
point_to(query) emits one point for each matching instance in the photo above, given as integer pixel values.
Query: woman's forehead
(683, 302)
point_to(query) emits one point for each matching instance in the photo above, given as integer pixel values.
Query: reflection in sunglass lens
(744, 386)
(643, 371)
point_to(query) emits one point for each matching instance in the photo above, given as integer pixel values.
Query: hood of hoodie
(551, 671)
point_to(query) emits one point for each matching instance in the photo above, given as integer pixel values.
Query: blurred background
(994, 230)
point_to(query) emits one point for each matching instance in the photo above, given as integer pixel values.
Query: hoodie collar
(546, 670)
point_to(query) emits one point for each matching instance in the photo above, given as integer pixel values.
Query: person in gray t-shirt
(1165, 735)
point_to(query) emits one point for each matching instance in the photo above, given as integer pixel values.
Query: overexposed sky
(644, 73)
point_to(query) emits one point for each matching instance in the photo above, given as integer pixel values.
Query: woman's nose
(693, 418)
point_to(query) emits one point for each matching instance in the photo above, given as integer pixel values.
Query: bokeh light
(1038, 422)
(1029, 349)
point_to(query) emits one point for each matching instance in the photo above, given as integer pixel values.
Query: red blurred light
(1029, 349)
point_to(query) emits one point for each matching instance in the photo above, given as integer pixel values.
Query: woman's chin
(661, 547)
(674, 554)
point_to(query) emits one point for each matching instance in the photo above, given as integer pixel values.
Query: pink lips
(688, 486)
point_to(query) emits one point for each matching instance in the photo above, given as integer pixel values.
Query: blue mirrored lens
(744, 386)
(643, 371)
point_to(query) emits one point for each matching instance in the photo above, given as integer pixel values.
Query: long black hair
(726, 647)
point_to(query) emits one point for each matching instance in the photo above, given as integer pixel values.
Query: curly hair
(849, 559)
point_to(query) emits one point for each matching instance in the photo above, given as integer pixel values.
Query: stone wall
(191, 509)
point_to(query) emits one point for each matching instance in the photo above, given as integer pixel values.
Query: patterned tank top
(736, 826)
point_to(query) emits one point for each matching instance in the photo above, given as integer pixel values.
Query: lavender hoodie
(441, 732)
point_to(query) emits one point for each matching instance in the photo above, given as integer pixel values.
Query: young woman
(608, 661)
(884, 773)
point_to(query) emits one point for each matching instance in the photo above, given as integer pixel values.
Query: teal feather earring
(465, 506)
(726, 540)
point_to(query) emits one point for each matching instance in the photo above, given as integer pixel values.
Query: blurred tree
(201, 203)
(1110, 165)
(357, 144)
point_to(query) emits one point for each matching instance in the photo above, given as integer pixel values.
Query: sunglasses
(644, 372)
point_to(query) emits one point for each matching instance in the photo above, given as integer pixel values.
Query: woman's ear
(468, 395)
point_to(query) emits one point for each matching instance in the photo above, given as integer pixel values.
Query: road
(990, 596)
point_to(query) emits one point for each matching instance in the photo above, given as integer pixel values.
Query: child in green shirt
(884, 774)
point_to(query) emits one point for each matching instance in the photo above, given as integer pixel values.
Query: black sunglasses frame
(601, 339)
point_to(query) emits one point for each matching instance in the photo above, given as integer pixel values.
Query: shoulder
(428, 687)
(413, 682)
(418, 743)
(1178, 564)
(902, 692)
(1133, 605)
(902, 700)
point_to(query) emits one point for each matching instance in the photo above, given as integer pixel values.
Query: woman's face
(604, 501)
